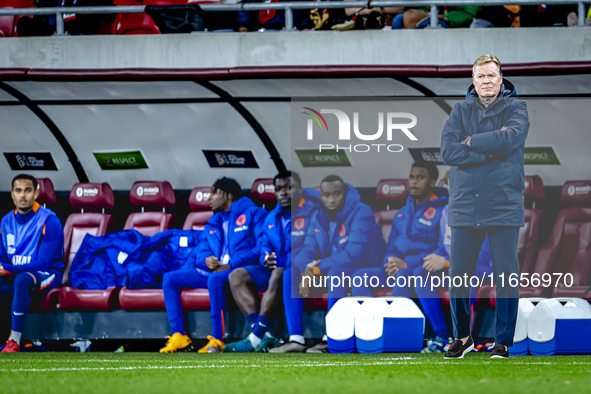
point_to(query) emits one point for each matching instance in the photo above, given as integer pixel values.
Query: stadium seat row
(572, 228)
(99, 196)
(568, 248)
(136, 23)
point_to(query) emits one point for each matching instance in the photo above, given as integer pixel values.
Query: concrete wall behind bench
(200, 50)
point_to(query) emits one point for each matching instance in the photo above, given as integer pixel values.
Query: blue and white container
(560, 326)
(520, 341)
(340, 324)
(389, 325)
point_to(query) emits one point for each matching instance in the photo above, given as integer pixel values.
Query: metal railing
(288, 7)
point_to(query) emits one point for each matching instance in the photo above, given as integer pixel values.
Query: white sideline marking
(401, 360)
(229, 364)
(208, 366)
(196, 360)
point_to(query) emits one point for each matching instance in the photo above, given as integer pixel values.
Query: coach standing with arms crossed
(483, 142)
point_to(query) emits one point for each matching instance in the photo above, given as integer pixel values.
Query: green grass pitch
(145, 373)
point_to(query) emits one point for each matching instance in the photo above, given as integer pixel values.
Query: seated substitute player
(276, 254)
(228, 241)
(31, 254)
(292, 301)
(343, 237)
(415, 246)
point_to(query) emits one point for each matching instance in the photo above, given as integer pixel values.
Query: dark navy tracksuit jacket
(486, 198)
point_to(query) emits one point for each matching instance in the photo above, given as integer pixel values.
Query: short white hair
(484, 59)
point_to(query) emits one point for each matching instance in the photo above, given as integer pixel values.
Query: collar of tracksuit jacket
(310, 198)
(440, 196)
(307, 204)
(352, 200)
(507, 91)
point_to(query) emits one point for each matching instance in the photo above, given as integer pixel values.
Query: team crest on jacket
(342, 230)
(430, 213)
(241, 220)
(299, 223)
(302, 202)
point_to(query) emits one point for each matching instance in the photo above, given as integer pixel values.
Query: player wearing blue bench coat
(292, 301)
(228, 241)
(275, 258)
(343, 238)
(31, 254)
(415, 247)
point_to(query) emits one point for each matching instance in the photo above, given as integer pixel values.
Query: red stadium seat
(86, 196)
(195, 299)
(7, 24)
(47, 303)
(146, 193)
(72, 299)
(46, 195)
(390, 191)
(46, 191)
(153, 299)
(528, 235)
(19, 3)
(134, 24)
(140, 23)
(141, 300)
(263, 193)
(566, 251)
(200, 209)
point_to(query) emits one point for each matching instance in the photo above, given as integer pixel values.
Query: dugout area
(172, 116)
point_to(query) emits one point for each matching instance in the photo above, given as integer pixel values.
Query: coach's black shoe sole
(459, 349)
(500, 352)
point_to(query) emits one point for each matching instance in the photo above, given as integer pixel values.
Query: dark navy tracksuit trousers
(466, 243)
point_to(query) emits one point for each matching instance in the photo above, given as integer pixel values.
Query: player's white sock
(254, 340)
(16, 337)
(324, 338)
(297, 338)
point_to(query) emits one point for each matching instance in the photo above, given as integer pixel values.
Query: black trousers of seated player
(466, 243)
